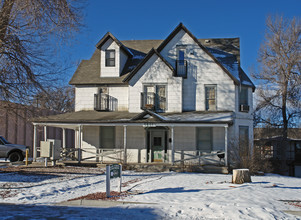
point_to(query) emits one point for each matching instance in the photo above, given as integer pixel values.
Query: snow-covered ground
(158, 196)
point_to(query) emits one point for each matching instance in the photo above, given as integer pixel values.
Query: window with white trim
(210, 97)
(243, 140)
(110, 57)
(204, 139)
(243, 95)
(107, 137)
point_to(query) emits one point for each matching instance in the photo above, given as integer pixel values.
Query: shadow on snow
(10, 211)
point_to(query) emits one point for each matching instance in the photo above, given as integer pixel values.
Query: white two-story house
(146, 101)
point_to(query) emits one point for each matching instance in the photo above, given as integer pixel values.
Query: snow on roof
(200, 117)
(228, 60)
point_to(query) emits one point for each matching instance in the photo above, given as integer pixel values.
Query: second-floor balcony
(153, 101)
(181, 68)
(104, 102)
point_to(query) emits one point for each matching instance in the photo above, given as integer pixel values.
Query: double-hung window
(204, 139)
(243, 140)
(243, 95)
(154, 97)
(210, 97)
(107, 137)
(110, 57)
(243, 99)
(181, 63)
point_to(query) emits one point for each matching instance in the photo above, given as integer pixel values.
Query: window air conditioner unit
(244, 108)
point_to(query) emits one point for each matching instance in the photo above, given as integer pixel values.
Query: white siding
(185, 138)
(110, 71)
(248, 115)
(155, 71)
(121, 95)
(218, 141)
(136, 149)
(90, 137)
(90, 142)
(84, 97)
(201, 70)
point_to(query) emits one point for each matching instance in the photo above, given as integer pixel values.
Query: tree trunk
(5, 14)
(241, 176)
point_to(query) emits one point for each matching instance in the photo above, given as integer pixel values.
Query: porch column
(172, 146)
(64, 138)
(79, 143)
(226, 145)
(34, 154)
(124, 144)
(45, 133)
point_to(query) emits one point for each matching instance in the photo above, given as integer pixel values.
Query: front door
(157, 146)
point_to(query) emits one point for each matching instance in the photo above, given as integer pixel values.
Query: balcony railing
(181, 68)
(104, 102)
(153, 101)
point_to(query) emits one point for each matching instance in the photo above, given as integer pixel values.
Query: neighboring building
(16, 127)
(269, 143)
(144, 101)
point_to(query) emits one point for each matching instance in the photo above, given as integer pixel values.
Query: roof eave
(146, 58)
(110, 35)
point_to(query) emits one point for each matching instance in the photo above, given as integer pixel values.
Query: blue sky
(155, 19)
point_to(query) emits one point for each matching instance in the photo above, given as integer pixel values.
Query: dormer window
(110, 57)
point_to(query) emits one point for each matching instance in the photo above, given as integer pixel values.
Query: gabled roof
(88, 73)
(146, 58)
(146, 113)
(182, 27)
(109, 35)
(225, 52)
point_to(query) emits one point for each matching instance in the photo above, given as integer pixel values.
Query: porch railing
(198, 157)
(100, 155)
(104, 102)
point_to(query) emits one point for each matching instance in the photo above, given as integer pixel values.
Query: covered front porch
(146, 138)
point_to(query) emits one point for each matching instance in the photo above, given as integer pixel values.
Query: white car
(14, 152)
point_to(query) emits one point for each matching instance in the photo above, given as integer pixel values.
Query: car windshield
(2, 139)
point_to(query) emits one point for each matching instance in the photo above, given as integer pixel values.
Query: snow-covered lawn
(158, 195)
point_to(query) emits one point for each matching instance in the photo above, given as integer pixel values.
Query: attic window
(110, 57)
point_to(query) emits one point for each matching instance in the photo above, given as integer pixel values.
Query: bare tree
(279, 101)
(57, 99)
(279, 92)
(29, 32)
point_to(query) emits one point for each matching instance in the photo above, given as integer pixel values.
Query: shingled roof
(225, 51)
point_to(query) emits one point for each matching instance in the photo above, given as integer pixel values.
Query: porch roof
(124, 118)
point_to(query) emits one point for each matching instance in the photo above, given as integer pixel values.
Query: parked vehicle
(13, 152)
